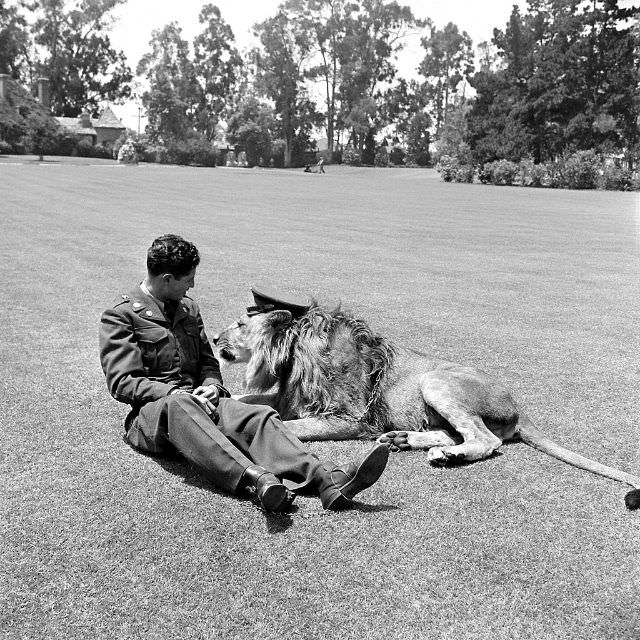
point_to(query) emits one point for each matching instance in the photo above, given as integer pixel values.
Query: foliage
(351, 156)
(216, 65)
(251, 128)
(382, 157)
(580, 170)
(419, 139)
(280, 74)
(451, 170)
(127, 153)
(5, 147)
(173, 89)
(615, 178)
(499, 172)
(448, 61)
(568, 81)
(82, 66)
(14, 41)
(397, 156)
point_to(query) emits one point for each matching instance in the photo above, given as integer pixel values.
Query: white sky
(138, 18)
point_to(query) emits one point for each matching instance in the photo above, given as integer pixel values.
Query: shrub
(382, 157)
(533, 175)
(5, 147)
(127, 153)
(102, 151)
(499, 172)
(84, 148)
(336, 157)
(351, 157)
(614, 178)
(580, 170)
(447, 168)
(196, 151)
(464, 173)
(397, 156)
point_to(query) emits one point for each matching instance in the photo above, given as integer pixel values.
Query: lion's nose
(216, 338)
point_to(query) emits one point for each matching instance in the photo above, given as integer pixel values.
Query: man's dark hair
(172, 254)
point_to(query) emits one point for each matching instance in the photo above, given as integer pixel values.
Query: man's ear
(168, 277)
(280, 318)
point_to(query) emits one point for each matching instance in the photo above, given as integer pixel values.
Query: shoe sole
(367, 474)
(276, 498)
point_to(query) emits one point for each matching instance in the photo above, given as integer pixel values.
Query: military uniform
(149, 352)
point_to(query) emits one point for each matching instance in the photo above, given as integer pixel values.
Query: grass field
(538, 287)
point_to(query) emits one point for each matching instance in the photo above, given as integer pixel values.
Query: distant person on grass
(156, 357)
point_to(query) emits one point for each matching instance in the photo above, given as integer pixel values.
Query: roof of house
(109, 120)
(73, 124)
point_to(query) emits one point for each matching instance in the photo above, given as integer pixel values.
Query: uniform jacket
(144, 355)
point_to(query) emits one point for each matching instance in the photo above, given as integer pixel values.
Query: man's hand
(211, 393)
(208, 397)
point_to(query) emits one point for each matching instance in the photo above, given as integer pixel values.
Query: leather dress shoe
(270, 493)
(343, 483)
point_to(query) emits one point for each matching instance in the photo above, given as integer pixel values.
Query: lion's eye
(240, 325)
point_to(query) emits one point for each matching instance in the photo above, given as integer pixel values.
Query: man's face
(176, 288)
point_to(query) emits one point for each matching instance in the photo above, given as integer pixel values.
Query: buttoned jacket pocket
(188, 337)
(154, 347)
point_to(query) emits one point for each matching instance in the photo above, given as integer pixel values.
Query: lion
(332, 378)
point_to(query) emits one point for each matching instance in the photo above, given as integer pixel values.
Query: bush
(499, 172)
(580, 170)
(614, 178)
(464, 173)
(195, 151)
(397, 156)
(382, 157)
(533, 175)
(84, 148)
(447, 167)
(351, 157)
(5, 147)
(102, 151)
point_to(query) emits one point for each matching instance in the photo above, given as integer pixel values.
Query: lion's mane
(325, 363)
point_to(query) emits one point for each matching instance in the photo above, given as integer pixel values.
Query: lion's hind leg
(444, 393)
(417, 440)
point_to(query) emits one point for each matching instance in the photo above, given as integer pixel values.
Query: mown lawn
(538, 287)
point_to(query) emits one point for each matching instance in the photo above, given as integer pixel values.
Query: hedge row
(581, 170)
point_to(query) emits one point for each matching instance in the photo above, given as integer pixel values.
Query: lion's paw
(396, 440)
(440, 457)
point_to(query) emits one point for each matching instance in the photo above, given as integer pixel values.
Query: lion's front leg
(331, 428)
(268, 399)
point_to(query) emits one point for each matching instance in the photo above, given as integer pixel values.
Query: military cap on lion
(268, 299)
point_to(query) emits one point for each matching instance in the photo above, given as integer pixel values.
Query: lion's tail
(530, 435)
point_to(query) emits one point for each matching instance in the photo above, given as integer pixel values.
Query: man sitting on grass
(157, 358)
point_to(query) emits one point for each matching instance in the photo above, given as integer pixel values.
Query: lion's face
(233, 343)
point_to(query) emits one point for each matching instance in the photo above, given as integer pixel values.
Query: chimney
(4, 85)
(43, 91)
(85, 120)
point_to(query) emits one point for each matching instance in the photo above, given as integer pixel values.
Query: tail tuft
(632, 499)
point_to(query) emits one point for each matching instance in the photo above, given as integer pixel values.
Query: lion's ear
(280, 318)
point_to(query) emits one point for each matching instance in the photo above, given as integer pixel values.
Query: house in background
(106, 129)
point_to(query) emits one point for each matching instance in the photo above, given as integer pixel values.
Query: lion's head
(324, 362)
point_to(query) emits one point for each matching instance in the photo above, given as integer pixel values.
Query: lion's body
(332, 378)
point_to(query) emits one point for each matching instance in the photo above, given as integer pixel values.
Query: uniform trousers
(243, 435)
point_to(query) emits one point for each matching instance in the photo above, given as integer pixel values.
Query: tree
(285, 49)
(375, 32)
(216, 67)
(14, 42)
(173, 90)
(251, 127)
(79, 61)
(568, 81)
(448, 61)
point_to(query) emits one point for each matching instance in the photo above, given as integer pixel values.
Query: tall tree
(448, 61)
(375, 32)
(216, 66)
(83, 67)
(14, 41)
(173, 91)
(285, 50)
